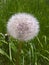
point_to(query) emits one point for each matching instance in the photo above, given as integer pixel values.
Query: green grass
(35, 51)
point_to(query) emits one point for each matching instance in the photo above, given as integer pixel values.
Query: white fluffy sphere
(23, 26)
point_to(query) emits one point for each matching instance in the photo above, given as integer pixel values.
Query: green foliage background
(38, 8)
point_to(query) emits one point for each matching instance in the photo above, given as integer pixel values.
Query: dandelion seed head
(23, 26)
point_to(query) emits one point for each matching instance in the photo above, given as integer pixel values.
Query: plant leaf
(4, 53)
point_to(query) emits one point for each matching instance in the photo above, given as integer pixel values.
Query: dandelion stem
(18, 53)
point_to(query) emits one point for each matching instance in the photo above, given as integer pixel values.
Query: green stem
(18, 53)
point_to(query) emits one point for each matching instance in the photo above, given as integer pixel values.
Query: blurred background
(39, 47)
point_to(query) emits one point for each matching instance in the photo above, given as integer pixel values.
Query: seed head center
(22, 28)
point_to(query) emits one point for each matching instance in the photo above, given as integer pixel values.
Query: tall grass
(33, 52)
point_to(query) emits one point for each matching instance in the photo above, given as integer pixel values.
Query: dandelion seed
(23, 26)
